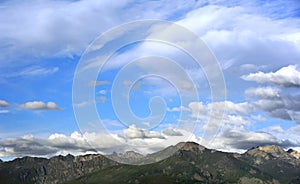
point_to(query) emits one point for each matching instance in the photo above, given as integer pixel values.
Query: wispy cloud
(4, 111)
(98, 83)
(263, 92)
(37, 71)
(56, 36)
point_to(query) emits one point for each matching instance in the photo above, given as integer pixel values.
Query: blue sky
(42, 43)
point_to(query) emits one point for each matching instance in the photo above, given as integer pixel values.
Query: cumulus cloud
(227, 107)
(231, 107)
(172, 132)
(287, 76)
(198, 108)
(178, 109)
(276, 128)
(217, 114)
(3, 103)
(231, 138)
(284, 107)
(263, 92)
(134, 132)
(139, 140)
(39, 105)
(260, 39)
(30, 145)
(244, 140)
(277, 103)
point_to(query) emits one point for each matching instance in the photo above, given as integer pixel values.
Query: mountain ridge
(190, 162)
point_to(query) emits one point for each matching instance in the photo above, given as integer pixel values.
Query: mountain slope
(55, 170)
(273, 160)
(190, 164)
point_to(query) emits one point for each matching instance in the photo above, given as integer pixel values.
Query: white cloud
(241, 139)
(215, 115)
(89, 142)
(57, 35)
(287, 76)
(252, 67)
(36, 71)
(230, 138)
(39, 105)
(263, 92)
(3, 103)
(285, 107)
(138, 133)
(4, 111)
(269, 104)
(232, 108)
(102, 92)
(81, 104)
(146, 123)
(227, 107)
(198, 108)
(178, 109)
(236, 120)
(249, 35)
(258, 118)
(276, 128)
(172, 132)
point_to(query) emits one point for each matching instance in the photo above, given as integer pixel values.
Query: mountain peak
(273, 149)
(190, 146)
(267, 151)
(294, 153)
(262, 154)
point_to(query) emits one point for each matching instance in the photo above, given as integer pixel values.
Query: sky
(101, 76)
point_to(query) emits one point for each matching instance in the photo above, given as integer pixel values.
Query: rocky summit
(190, 163)
(294, 153)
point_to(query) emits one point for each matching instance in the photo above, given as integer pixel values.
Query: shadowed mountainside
(191, 163)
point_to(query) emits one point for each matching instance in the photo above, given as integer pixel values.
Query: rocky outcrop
(263, 154)
(275, 161)
(294, 153)
(49, 171)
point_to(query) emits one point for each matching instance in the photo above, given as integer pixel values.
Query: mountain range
(190, 163)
